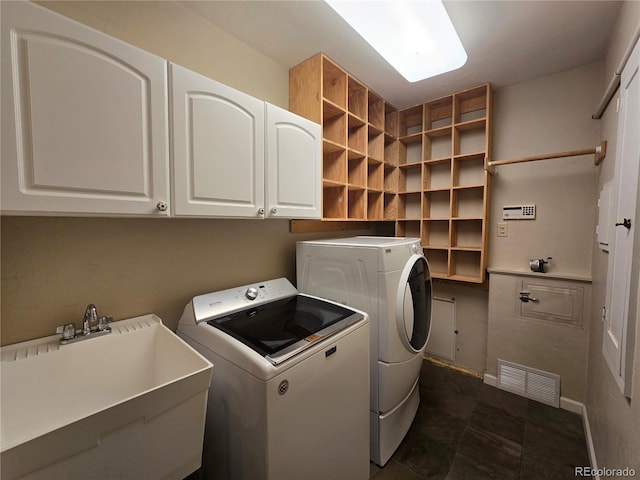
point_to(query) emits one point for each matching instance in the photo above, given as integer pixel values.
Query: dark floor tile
(554, 445)
(464, 469)
(455, 394)
(492, 453)
(507, 401)
(497, 421)
(543, 467)
(395, 470)
(425, 456)
(439, 426)
(556, 419)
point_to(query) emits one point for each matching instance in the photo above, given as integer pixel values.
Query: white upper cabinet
(225, 165)
(218, 148)
(293, 171)
(84, 119)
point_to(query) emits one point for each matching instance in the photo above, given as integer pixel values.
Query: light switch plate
(503, 230)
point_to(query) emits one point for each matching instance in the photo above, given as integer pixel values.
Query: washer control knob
(251, 293)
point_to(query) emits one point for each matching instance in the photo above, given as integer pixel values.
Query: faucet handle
(103, 323)
(68, 331)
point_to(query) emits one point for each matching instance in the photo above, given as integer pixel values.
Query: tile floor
(467, 430)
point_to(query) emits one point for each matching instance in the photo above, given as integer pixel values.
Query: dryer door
(413, 304)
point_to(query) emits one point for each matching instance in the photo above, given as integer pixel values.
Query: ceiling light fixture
(416, 37)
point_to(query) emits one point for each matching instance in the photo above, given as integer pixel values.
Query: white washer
(387, 277)
(289, 396)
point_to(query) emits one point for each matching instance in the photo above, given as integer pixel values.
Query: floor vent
(535, 384)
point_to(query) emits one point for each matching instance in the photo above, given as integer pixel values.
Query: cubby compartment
(410, 121)
(438, 262)
(376, 111)
(357, 141)
(390, 121)
(468, 170)
(375, 175)
(375, 148)
(435, 233)
(467, 234)
(409, 205)
(358, 172)
(334, 83)
(390, 206)
(438, 114)
(471, 104)
(375, 205)
(468, 203)
(410, 178)
(437, 144)
(333, 202)
(357, 101)
(334, 124)
(410, 150)
(466, 266)
(392, 152)
(334, 163)
(436, 205)
(437, 175)
(391, 176)
(470, 138)
(357, 203)
(408, 228)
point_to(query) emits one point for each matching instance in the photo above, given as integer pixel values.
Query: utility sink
(130, 404)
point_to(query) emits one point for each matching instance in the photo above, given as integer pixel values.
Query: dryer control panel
(225, 302)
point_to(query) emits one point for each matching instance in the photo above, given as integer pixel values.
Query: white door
(218, 148)
(84, 119)
(293, 165)
(618, 338)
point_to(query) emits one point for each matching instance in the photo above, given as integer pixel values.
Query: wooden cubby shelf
(423, 167)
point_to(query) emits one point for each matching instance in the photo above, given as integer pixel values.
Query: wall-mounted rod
(598, 152)
(615, 79)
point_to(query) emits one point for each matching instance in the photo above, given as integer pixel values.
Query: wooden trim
(306, 226)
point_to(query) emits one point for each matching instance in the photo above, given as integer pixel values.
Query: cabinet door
(84, 119)
(293, 165)
(218, 148)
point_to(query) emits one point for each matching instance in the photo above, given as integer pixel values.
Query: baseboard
(571, 405)
(587, 433)
(490, 380)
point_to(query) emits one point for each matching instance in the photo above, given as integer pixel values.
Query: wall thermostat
(519, 212)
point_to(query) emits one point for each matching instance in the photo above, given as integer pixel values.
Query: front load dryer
(387, 277)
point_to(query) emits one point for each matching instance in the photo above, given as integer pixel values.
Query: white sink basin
(130, 404)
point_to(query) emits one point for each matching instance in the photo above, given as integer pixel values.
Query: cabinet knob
(274, 210)
(261, 211)
(162, 206)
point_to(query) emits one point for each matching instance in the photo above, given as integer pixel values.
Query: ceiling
(507, 42)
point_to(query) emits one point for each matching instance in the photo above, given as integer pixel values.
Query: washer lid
(282, 329)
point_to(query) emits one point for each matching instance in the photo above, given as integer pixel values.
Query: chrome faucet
(92, 326)
(90, 318)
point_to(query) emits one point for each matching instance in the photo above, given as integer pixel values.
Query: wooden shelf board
(471, 124)
(329, 146)
(439, 132)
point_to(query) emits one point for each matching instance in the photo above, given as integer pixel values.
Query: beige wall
(547, 115)
(614, 420)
